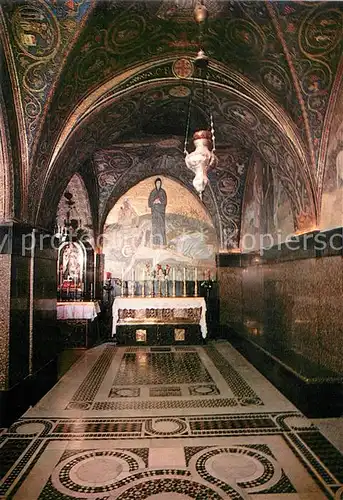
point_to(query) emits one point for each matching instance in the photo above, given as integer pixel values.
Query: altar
(144, 319)
(78, 323)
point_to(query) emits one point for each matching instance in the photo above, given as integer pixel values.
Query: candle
(173, 273)
(195, 282)
(122, 274)
(184, 282)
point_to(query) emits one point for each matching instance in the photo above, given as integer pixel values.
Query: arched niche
(135, 237)
(80, 209)
(76, 250)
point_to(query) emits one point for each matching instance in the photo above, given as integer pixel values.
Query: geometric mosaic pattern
(245, 394)
(217, 470)
(165, 444)
(95, 376)
(158, 369)
(161, 368)
(164, 405)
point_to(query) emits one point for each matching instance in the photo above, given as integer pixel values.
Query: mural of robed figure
(157, 204)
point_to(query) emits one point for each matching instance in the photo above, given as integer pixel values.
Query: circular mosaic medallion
(127, 392)
(166, 426)
(274, 78)
(203, 390)
(298, 422)
(126, 33)
(170, 488)
(244, 115)
(321, 32)
(180, 91)
(183, 68)
(268, 152)
(250, 469)
(79, 405)
(245, 38)
(93, 471)
(28, 428)
(229, 208)
(36, 30)
(228, 185)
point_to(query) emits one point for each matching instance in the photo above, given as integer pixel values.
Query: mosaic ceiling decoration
(130, 117)
(41, 35)
(290, 51)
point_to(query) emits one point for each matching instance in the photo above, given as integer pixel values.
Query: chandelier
(71, 226)
(203, 158)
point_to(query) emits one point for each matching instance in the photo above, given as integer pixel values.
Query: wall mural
(158, 221)
(226, 181)
(267, 214)
(332, 197)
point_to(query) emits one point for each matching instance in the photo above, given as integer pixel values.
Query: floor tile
(190, 422)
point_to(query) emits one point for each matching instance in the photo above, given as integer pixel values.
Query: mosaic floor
(169, 423)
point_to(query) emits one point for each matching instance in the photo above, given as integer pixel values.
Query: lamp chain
(188, 119)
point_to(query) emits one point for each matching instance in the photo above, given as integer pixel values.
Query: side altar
(159, 320)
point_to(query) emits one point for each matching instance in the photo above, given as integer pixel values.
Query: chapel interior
(171, 249)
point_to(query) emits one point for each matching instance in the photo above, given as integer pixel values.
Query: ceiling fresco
(274, 78)
(243, 124)
(42, 34)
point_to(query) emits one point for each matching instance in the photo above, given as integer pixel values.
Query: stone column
(29, 338)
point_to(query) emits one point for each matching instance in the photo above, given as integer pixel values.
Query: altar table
(77, 310)
(159, 310)
(78, 323)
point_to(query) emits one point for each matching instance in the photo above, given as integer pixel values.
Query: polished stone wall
(45, 335)
(29, 339)
(288, 305)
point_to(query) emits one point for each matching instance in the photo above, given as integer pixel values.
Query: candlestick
(184, 283)
(173, 284)
(122, 282)
(132, 283)
(195, 282)
(143, 287)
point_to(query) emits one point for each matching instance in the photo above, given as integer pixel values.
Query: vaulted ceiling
(84, 80)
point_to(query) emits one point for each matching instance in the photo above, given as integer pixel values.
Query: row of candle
(145, 276)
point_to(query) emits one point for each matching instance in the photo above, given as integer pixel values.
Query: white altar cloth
(77, 310)
(160, 303)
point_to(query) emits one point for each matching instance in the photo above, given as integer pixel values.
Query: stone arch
(6, 167)
(293, 162)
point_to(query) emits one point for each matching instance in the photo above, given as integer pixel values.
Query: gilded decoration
(272, 46)
(233, 119)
